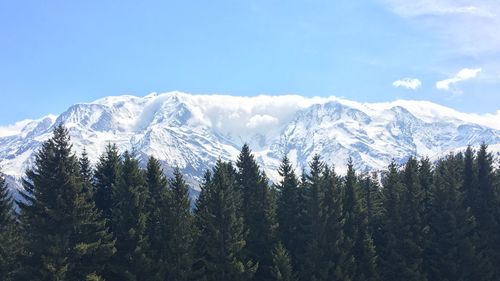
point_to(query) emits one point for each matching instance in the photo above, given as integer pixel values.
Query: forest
(122, 220)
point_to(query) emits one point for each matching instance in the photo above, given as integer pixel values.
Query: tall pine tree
(9, 234)
(413, 227)
(358, 240)
(312, 268)
(288, 208)
(180, 233)
(483, 266)
(220, 228)
(258, 208)
(66, 237)
(390, 233)
(372, 198)
(106, 176)
(450, 253)
(426, 178)
(158, 209)
(335, 256)
(129, 221)
(487, 211)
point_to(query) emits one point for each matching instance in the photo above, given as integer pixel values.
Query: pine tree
(202, 220)
(180, 234)
(282, 268)
(335, 257)
(358, 240)
(86, 173)
(158, 208)
(106, 176)
(487, 211)
(258, 208)
(303, 232)
(390, 233)
(372, 199)
(469, 182)
(413, 227)
(313, 258)
(288, 208)
(66, 238)
(129, 221)
(85, 166)
(9, 234)
(482, 268)
(426, 178)
(374, 202)
(220, 229)
(450, 253)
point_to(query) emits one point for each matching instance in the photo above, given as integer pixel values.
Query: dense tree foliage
(220, 252)
(106, 176)
(179, 230)
(66, 239)
(125, 220)
(258, 209)
(10, 242)
(129, 223)
(157, 229)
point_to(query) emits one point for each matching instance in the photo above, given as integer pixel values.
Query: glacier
(193, 131)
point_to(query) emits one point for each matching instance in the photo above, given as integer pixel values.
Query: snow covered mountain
(193, 131)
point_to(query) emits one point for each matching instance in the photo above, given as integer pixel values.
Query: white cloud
(408, 83)
(13, 129)
(462, 75)
(259, 121)
(469, 27)
(415, 8)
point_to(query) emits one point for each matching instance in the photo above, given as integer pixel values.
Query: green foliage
(413, 227)
(259, 213)
(335, 256)
(180, 230)
(371, 199)
(129, 221)
(157, 224)
(289, 208)
(282, 265)
(391, 254)
(10, 242)
(356, 231)
(486, 210)
(402, 229)
(221, 231)
(426, 221)
(106, 176)
(85, 167)
(313, 258)
(451, 253)
(65, 237)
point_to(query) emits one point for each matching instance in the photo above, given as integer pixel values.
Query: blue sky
(56, 53)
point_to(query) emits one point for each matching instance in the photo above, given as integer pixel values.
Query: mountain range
(193, 131)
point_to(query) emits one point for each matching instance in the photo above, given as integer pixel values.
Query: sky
(57, 53)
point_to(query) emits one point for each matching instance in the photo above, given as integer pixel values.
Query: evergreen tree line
(117, 221)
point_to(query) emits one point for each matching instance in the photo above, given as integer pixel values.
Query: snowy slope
(193, 131)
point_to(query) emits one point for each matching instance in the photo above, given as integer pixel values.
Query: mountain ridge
(192, 131)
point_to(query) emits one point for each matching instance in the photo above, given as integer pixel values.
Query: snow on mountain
(193, 131)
